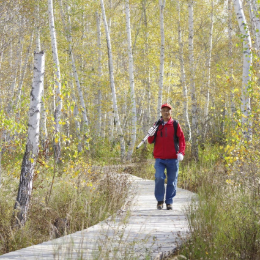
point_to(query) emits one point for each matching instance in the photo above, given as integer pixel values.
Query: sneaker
(160, 205)
(169, 206)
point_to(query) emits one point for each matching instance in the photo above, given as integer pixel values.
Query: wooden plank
(142, 232)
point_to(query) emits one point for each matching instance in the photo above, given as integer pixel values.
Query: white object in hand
(152, 131)
(180, 157)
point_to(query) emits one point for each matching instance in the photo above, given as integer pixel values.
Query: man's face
(166, 113)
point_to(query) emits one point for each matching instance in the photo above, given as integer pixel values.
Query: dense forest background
(109, 65)
(217, 66)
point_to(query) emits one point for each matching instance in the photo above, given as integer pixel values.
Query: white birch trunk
(99, 73)
(58, 100)
(147, 71)
(43, 126)
(75, 73)
(31, 153)
(67, 30)
(162, 5)
(38, 35)
(230, 54)
(256, 22)
(209, 68)
(76, 115)
(77, 126)
(183, 76)
(247, 62)
(112, 83)
(194, 121)
(131, 79)
(43, 121)
(19, 92)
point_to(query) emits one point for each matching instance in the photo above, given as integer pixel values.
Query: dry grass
(78, 199)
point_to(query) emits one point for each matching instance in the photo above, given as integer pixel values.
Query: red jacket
(164, 144)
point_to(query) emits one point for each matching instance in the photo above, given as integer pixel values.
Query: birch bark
(131, 79)
(38, 35)
(162, 5)
(256, 21)
(58, 100)
(43, 121)
(67, 30)
(148, 81)
(31, 152)
(112, 83)
(247, 61)
(19, 93)
(183, 76)
(230, 54)
(194, 121)
(209, 69)
(99, 72)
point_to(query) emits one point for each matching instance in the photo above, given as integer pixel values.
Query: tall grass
(68, 200)
(224, 220)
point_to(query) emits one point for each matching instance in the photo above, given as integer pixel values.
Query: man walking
(166, 156)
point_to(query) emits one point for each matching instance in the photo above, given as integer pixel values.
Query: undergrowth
(66, 199)
(224, 220)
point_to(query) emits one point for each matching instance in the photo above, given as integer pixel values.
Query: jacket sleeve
(150, 139)
(181, 140)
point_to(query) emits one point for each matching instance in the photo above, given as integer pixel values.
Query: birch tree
(194, 121)
(230, 54)
(99, 73)
(183, 75)
(58, 100)
(162, 5)
(147, 69)
(112, 82)
(31, 152)
(25, 66)
(209, 70)
(247, 62)
(67, 30)
(131, 79)
(256, 22)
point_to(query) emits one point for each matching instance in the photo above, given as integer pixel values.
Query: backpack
(175, 137)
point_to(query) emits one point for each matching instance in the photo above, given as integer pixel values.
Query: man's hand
(180, 157)
(152, 131)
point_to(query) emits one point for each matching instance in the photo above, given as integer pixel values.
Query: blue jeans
(172, 166)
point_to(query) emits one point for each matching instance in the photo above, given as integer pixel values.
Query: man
(166, 157)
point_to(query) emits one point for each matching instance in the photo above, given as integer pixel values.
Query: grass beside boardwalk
(224, 221)
(64, 200)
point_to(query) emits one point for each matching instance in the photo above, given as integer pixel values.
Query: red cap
(166, 105)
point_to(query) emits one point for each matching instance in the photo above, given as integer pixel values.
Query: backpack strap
(175, 137)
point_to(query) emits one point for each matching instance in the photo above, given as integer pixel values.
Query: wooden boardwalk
(141, 232)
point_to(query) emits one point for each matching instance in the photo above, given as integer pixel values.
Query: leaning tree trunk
(112, 82)
(162, 5)
(131, 78)
(43, 121)
(31, 153)
(58, 100)
(183, 76)
(247, 61)
(194, 122)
